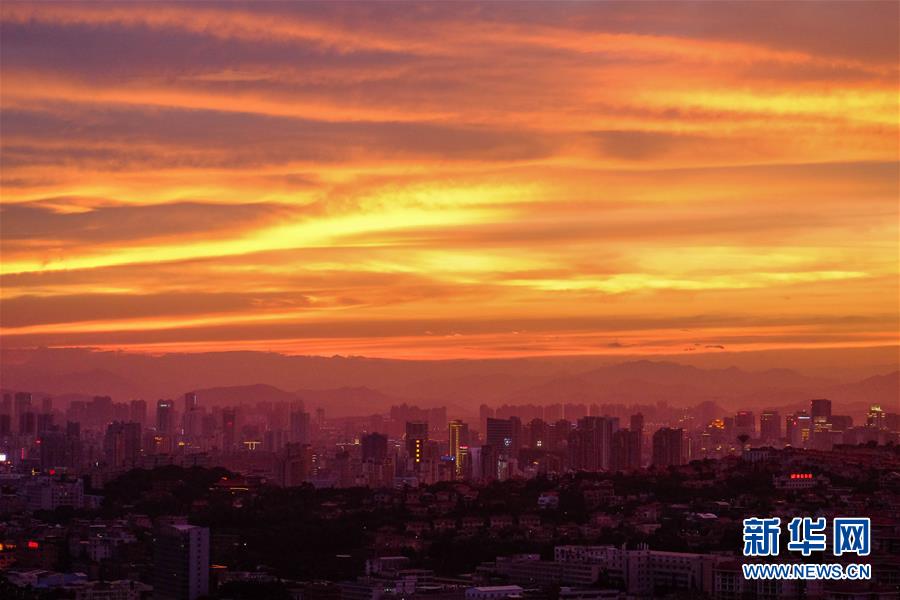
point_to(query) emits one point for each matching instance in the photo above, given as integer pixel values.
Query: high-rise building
(191, 401)
(416, 437)
(637, 424)
(137, 412)
(53, 449)
(745, 424)
(181, 562)
(192, 419)
(626, 450)
(374, 447)
(229, 425)
(797, 429)
(485, 412)
(27, 423)
(22, 403)
(538, 437)
(165, 417)
(590, 444)
(122, 444)
(841, 422)
(770, 426)
(295, 463)
(459, 446)
(299, 423)
(504, 436)
(820, 408)
(876, 417)
(44, 422)
(668, 447)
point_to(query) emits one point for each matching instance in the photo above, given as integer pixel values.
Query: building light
(33, 545)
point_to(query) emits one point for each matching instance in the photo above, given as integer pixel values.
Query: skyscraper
(165, 417)
(591, 443)
(797, 429)
(770, 426)
(745, 424)
(416, 437)
(820, 408)
(626, 450)
(122, 444)
(299, 423)
(374, 447)
(459, 444)
(229, 419)
(501, 435)
(181, 562)
(668, 447)
(137, 412)
(192, 420)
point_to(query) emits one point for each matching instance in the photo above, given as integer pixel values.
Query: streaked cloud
(442, 181)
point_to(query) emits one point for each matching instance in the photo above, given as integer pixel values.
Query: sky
(450, 180)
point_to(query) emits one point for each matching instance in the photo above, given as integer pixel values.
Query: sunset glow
(445, 180)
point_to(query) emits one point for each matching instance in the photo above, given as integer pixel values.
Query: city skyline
(435, 182)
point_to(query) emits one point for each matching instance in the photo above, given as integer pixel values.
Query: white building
(493, 592)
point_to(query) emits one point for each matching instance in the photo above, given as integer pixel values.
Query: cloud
(206, 175)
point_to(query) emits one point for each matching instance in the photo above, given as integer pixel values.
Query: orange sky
(450, 180)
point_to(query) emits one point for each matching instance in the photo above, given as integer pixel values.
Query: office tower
(487, 460)
(22, 403)
(44, 422)
(27, 423)
(165, 417)
(181, 562)
(53, 450)
(5, 424)
(122, 444)
(626, 450)
(299, 424)
(820, 408)
(876, 417)
(590, 444)
(46, 404)
(538, 435)
(416, 437)
(6, 405)
(841, 422)
(745, 424)
(668, 447)
(374, 447)
(229, 420)
(192, 419)
(459, 445)
(636, 423)
(295, 464)
(500, 435)
(770, 426)
(797, 429)
(559, 434)
(137, 412)
(485, 412)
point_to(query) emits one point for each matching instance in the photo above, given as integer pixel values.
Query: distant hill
(357, 385)
(244, 394)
